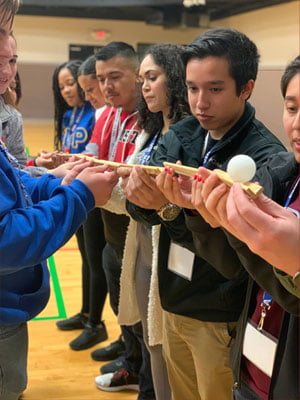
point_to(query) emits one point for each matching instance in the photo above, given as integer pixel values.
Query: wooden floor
(55, 371)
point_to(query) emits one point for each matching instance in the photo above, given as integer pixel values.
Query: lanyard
(206, 156)
(145, 155)
(265, 306)
(117, 131)
(73, 123)
(291, 194)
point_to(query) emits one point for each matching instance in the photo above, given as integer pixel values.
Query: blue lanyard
(145, 156)
(207, 155)
(291, 194)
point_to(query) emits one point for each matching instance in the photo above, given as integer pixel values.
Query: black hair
(240, 52)
(118, 49)
(168, 57)
(292, 69)
(88, 67)
(8, 9)
(60, 105)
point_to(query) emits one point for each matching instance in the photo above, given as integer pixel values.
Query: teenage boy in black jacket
(270, 371)
(200, 305)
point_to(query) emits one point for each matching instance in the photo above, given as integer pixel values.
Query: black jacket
(209, 296)
(276, 176)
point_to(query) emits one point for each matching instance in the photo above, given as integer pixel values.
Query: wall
(43, 44)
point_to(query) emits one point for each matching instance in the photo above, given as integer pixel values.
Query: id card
(260, 349)
(181, 261)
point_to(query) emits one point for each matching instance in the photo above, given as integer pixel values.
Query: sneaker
(120, 380)
(113, 366)
(90, 336)
(78, 321)
(114, 350)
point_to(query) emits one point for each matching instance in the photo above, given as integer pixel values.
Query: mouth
(203, 117)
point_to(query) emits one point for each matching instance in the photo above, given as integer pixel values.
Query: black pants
(137, 357)
(91, 242)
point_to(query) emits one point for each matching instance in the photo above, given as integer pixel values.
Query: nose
(202, 100)
(107, 84)
(6, 68)
(145, 86)
(296, 122)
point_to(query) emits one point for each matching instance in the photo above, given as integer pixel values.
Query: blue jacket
(30, 233)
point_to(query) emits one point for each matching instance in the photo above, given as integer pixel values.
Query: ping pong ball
(241, 168)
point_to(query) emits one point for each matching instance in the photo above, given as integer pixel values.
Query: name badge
(259, 348)
(181, 261)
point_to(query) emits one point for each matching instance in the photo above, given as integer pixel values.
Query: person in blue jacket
(37, 216)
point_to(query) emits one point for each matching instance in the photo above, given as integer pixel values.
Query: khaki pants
(197, 357)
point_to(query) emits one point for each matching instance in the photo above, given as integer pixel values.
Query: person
(163, 101)
(88, 82)
(12, 124)
(91, 242)
(270, 318)
(74, 123)
(114, 139)
(37, 217)
(201, 307)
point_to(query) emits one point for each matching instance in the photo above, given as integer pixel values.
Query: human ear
(247, 89)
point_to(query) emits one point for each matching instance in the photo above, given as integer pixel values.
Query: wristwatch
(168, 212)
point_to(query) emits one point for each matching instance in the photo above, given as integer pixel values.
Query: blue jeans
(245, 393)
(13, 360)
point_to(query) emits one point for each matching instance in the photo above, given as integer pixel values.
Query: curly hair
(60, 105)
(168, 57)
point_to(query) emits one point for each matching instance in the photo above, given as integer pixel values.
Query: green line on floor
(57, 292)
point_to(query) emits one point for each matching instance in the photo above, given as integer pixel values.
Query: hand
(49, 160)
(269, 230)
(140, 188)
(207, 192)
(62, 170)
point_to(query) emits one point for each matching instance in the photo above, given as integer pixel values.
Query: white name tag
(259, 349)
(181, 261)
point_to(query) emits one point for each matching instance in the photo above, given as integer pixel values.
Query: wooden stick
(252, 189)
(150, 169)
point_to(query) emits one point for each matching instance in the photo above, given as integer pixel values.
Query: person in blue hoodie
(37, 216)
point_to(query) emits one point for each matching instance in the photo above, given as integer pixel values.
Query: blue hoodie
(30, 231)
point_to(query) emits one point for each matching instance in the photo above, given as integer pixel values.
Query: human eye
(191, 88)
(13, 61)
(291, 107)
(152, 78)
(215, 90)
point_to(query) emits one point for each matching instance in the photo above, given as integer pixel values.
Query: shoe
(120, 380)
(113, 366)
(114, 350)
(90, 336)
(78, 321)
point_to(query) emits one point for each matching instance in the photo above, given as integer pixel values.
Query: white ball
(241, 168)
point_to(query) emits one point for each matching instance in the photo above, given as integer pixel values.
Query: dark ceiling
(157, 12)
